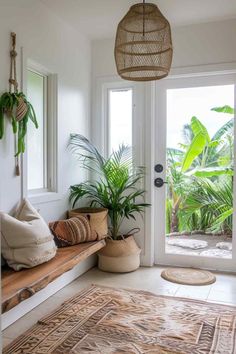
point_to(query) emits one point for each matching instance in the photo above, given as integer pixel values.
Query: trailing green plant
(10, 103)
(116, 184)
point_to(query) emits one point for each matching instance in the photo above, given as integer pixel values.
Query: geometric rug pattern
(103, 320)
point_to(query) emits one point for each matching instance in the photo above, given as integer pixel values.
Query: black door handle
(158, 168)
(158, 182)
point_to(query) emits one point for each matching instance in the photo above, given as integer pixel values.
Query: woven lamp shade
(143, 46)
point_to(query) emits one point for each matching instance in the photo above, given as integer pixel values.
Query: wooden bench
(18, 286)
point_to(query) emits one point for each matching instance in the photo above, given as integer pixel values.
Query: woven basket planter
(119, 256)
(97, 219)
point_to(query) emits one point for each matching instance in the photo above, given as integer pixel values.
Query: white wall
(209, 43)
(54, 45)
(50, 42)
(194, 46)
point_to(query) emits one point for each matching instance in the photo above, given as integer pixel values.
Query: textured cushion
(72, 231)
(26, 238)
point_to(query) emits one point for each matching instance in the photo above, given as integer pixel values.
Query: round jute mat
(188, 276)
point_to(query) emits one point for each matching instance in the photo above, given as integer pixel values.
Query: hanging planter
(15, 106)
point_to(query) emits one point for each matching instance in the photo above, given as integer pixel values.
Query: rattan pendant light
(143, 46)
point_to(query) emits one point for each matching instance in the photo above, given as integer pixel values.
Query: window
(37, 138)
(120, 118)
(41, 142)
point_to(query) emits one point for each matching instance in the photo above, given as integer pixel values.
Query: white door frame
(143, 128)
(191, 79)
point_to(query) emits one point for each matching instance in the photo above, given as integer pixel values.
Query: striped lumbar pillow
(72, 231)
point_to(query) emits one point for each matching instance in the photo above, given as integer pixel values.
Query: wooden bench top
(18, 286)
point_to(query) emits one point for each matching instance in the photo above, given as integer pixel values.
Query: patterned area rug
(102, 320)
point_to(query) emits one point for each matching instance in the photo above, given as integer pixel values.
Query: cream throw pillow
(26, 238)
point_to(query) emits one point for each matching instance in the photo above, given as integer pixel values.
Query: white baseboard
(145, 261)
(20, 310)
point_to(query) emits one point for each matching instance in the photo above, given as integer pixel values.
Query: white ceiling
(98, 19)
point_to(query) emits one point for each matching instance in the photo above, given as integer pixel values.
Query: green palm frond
(87, 154)
(116, 185)
(227, 128)
(224, 109)
(212, 200)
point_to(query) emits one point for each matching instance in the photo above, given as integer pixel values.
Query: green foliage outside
(200, 179)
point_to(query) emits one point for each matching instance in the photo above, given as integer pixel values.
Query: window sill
(44, 197)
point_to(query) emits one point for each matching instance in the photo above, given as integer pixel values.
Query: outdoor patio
(201, 245)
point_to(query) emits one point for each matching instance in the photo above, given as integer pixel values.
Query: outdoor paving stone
(212, 241)
(192, 244)
(224, 246)
(216, 253)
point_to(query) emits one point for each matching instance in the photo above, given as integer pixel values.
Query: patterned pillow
(72, 231)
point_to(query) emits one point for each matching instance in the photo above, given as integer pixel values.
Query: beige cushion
(26, 238)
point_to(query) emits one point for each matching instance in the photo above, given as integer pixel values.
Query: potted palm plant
(116, 187)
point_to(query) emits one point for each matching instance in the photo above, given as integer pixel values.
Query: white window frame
(46, 162)
(108, 114)
(51, 192)
(142, 130)
(101, 115)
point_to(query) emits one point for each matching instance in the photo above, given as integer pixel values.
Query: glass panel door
(195, 214)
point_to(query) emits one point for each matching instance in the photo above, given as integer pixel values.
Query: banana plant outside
(200, 179)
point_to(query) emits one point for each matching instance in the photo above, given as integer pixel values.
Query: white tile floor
(223, 291)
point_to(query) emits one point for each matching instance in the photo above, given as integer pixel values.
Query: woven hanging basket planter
(143, 46)
(21, 110)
